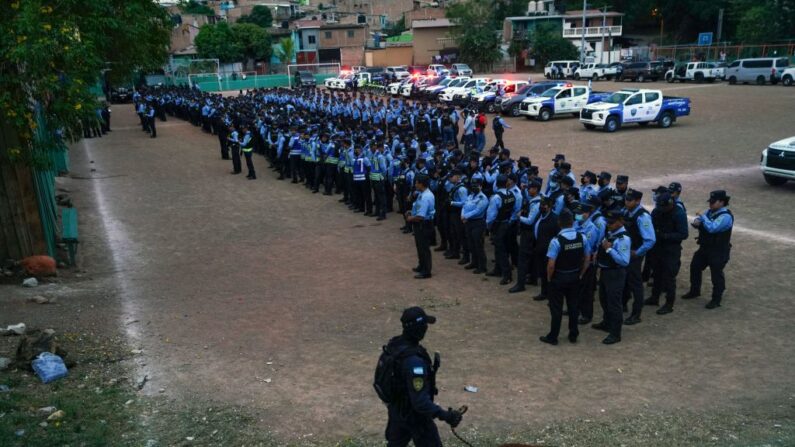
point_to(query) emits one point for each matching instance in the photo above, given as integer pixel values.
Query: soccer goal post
(320, 71)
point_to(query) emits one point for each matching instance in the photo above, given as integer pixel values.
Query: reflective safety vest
(359, 170)
(377, 171)
(250, 145)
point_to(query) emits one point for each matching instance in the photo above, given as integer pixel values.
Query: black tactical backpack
(388, 379)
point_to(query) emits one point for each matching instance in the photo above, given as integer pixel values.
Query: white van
(758, 70)
(565, 69)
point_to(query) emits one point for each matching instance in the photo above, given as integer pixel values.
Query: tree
(195, 8)
(396, 28)
(478, 42)
(286, 50)
(253, 40)
(758, 25)
(547, 44)
(53, 54)
(260, 15)
(218, 41)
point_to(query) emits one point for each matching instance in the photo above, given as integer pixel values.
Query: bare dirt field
(265, 297)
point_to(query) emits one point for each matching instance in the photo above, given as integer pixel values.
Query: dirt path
(258, 293)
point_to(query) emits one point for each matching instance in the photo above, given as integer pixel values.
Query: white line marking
(692, 87)
(702, 174)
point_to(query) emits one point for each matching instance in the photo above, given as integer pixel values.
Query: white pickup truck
(346, 81)
(463, 90)
(693, 71)
(559, 100)
(634, 106)
(596, 72)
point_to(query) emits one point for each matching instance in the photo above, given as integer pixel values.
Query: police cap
(622, 179)
(559, 157)
(675, 187)
(566, 180)
(414, 316)
(605, 175)
(660, 189)
(720, 194)
(565, 165)
(613, 215)
(502, 181)
(634, 194)
(664, 199)
(534, 183)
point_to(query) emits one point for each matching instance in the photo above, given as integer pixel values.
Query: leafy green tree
(253, 40)
(218, 41)
(286, 50)
(53, 53)
(758, 25)
(396, 28)
(260, 15)
(196, 8)
(548, 44)
(478, 41)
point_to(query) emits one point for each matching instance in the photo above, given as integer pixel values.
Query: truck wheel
(710, 80)
(774, 181)
(669, 79)
(515, 110)
(787, 81)
(699, 77)
(611, 124)
(666, 120)
(760, 80)
(641, 78)
(490, 108)
(595, 77)
(545, 114)
(733, 80)
(589, 126)
(576, 76)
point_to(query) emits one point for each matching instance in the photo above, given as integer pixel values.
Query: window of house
(328, 34)
(311, 40)
(351, 33)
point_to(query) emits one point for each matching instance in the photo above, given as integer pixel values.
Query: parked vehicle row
(559, 100)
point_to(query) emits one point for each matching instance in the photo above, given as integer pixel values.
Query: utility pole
(602, 32)
(582, 40)
(720, 25)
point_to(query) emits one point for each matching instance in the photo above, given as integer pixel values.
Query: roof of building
(432, 23)
(590, 13)
(307, 24)
(342, 25)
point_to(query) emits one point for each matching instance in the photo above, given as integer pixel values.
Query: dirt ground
(262, 295)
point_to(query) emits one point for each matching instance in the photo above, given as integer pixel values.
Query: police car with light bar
(634, 106)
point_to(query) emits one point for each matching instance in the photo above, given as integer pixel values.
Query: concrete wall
(389, 56)
(339, 37)
(351, 56)
(426, 44)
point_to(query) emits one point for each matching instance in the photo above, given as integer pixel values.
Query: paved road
(234, 282)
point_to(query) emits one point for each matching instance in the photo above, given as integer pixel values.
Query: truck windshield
(618, 97)
(550, 93)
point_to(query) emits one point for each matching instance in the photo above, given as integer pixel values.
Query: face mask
(578, 217)
(475, 189)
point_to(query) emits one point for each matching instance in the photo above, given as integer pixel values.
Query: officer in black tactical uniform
(411, 415)
(714, 246)
(670, 227)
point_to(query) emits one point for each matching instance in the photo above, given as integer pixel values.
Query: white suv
(778, 162)
(787, 76)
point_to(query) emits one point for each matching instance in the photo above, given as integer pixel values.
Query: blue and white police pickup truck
(566, 98)
(634, 106)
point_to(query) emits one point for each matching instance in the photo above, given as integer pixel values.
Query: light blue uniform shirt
(713, 225)
(568, 234)
(475, 206)
(646, 230)
(424, 205)
(621, 248)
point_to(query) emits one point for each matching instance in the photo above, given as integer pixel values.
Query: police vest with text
(715, 241)
(603, 258)
(506, 209)
(571, 254)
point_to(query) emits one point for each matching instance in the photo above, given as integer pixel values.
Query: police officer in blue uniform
(640, 229)
(498, 216)
(411, 416)
(473, 214)
(421, 218)
(567, 260)
(612, 259)
(714, 246)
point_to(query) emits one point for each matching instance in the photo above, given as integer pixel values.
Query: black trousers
(224, 145)
(379, 194)
(357, 194)
(611, 289)
(293, 167)
(667, 261)
(540, 264)
(423, 232)
(564, 286)
(587, 291)
(498, 135)
(524, 255)
(500, 238)
(716, 261)
(368, 198)
(474, 230)
(236, 159)
(457, 234)
(250, 164)
(317, 174)
(390, 195)
(634, 286)
(512, 243)
(152, 127)
(330, 177)
(442, 224)
(402, 429)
